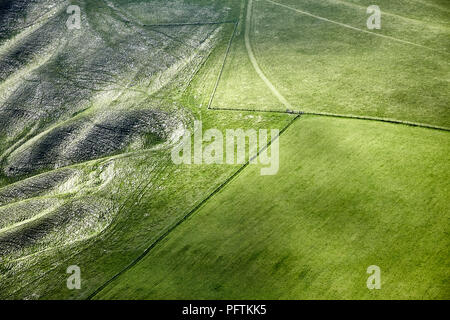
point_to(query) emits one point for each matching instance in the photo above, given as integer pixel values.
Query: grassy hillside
(89, 118)
(101, 214)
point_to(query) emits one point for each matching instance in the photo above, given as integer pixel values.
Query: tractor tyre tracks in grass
(248, 46)
(281, 98)
(352, 27)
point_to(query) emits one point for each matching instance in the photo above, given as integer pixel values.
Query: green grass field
(319, 66)
(377, 196)
(88, 119)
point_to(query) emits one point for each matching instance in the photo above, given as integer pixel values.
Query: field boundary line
(344, 116)
(251, 55)
(180, 24)
(254, 110)
(216, 85)
(191, 212)
(353, 28)
(387, 120)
